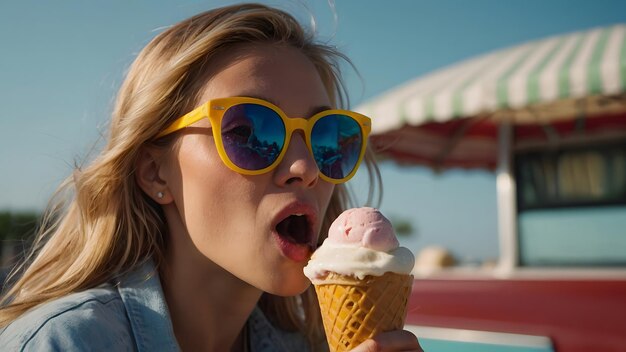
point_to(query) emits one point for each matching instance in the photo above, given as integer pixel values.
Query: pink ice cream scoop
(366, 227)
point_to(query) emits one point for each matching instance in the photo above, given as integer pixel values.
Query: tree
(17, 226)
(402, 226)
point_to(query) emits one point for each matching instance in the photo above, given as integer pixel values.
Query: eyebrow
(311, 112)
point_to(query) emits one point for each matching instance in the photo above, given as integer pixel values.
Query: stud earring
(159, 195)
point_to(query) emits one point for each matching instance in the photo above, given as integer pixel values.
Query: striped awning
(539, 80)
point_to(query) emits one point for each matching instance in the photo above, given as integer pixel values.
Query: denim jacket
(130, 315)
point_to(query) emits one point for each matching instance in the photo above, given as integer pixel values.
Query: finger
(372, 345)
(398, 340)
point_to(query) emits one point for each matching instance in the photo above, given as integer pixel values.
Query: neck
(208, 305)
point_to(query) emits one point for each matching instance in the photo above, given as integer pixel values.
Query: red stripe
(577, 315)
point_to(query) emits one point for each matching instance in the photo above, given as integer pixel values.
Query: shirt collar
(150, 320)
(263, 336)
(147, 310)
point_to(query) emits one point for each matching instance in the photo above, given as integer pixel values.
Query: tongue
(293, 228)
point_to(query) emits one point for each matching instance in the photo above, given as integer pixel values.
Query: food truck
(548, 117)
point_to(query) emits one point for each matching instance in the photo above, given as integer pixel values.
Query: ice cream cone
(362, 277)
(354, 310)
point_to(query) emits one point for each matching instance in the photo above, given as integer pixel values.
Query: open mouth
(296, 229)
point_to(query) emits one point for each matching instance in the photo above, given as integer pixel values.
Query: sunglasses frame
(214, 110)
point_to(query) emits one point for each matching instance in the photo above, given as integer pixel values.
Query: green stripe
(457, 97)
(533, 90)
(594, 78)
(622, 63)
(403, 114)
(502, 91)
(564, 86)
(457, 104)
(429, 108)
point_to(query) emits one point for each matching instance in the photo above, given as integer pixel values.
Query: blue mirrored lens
(336, 141)
(253, 135)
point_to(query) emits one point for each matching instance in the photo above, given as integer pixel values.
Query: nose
(298, 165)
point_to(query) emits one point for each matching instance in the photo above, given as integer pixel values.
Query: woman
(225, 162)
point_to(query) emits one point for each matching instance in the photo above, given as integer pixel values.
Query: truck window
(572, 206)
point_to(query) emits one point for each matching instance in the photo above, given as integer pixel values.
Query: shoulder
(83, 320)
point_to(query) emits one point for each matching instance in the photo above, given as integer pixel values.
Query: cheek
(212, 199)
(326, 193)
(201, 183)
(200, 172)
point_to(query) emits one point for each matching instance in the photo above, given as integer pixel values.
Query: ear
(148, 169)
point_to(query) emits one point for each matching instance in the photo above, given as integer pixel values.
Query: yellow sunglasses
(252, 136)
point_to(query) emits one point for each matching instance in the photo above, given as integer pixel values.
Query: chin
(290, 286)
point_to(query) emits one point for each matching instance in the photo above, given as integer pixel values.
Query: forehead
(281, 73)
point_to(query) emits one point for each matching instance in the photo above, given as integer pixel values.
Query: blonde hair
(99, 224)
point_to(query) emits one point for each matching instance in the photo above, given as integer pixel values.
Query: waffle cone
(354, 310)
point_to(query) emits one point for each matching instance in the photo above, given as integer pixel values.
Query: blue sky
(61, 64)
